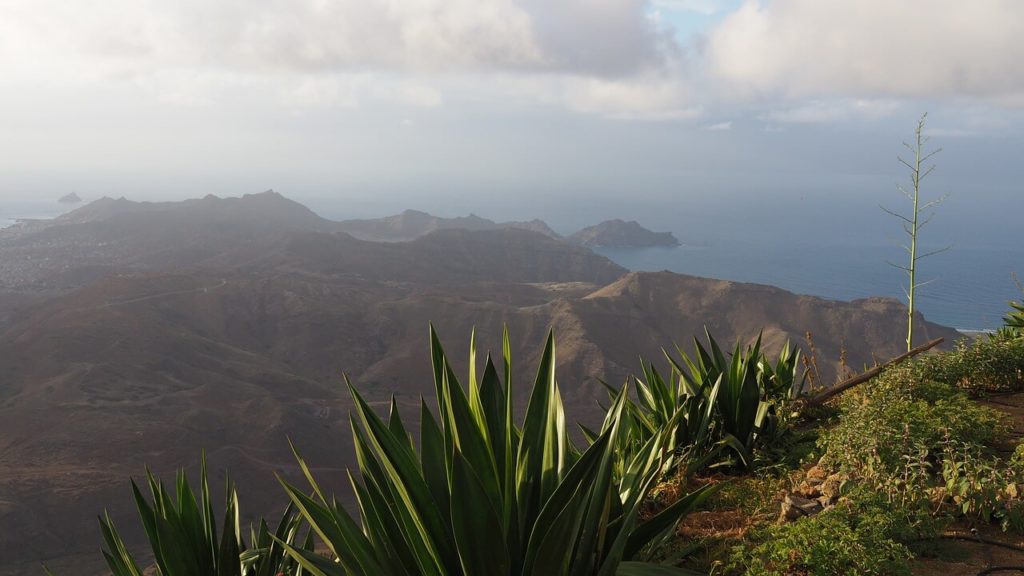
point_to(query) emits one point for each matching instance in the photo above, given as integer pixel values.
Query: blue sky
(567, 109)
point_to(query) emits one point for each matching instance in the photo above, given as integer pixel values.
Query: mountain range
(140, 334)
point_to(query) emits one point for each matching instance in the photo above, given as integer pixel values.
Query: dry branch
(845, 385)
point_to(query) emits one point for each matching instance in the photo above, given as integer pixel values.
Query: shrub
(890, 422)
(484, 496)
(1013, 322)
(988, 488)
(852, 538)
(184, 541)
(923, 444)
(983, 365)
(711, 402)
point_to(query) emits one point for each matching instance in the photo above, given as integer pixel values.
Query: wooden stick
(845, 385)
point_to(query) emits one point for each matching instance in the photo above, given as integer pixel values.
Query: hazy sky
(522, 106)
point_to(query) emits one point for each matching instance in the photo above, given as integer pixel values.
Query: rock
(816, 474)
(795, 507)
(832, 486)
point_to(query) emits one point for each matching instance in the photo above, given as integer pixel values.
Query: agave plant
(1014, 321)
(783, 381)
(688, 413)
(735, 403)
(184, 540)
(483, 496)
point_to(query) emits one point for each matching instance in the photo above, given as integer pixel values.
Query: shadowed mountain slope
(230, 334)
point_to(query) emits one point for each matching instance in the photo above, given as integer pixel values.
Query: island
(70, 199)
(621, 234)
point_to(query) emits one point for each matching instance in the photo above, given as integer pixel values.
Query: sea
(966, 287)
(28, 209)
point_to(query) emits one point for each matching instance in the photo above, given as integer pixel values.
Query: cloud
(828, 111)
(704, 7)
(870, 49)
(590, 37)
(719, 127)
(652, 96)
(589, 55)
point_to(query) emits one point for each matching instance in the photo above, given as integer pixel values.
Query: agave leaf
(591, 540)
(492, 401)
(376, 477)
(316, 564)
(541, 451)
(382, 529)
(557, 526)
(468, 436)
(119, 560)
(433, 457)
(227, 562)
(478, 530)
(407, 484)
(306, 472)
(341, 535)
(395, 423)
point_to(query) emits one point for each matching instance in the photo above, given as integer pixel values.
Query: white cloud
(705, 7)
(871, 48)
(719, 127)
(650, 98)
(592, 37)
(338, 53)
(837, 110)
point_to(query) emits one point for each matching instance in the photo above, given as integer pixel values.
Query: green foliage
(184, 541)
(852, 538)
(712, 403)
(982, 365)
(899, 416)
(1013, 322)
(983, 486)
(916, 439)
(484, 496)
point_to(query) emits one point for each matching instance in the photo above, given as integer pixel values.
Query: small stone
(832, 486)
(816, 474)
(795, 507)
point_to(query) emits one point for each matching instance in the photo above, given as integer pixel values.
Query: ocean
(27, 209)
(968, 288)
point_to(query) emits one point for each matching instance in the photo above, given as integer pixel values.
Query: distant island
(621, 234)
(413, 224)
(70, 199)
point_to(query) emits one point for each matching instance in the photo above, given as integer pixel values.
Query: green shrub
(714, 404)
(900, 416)
(853, 539)
(184, 541)
(918, 440)
(982, 486)
(1013, 322)
(484, 496)
(983, 365)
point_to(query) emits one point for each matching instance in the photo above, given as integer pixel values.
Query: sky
(680, 110)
